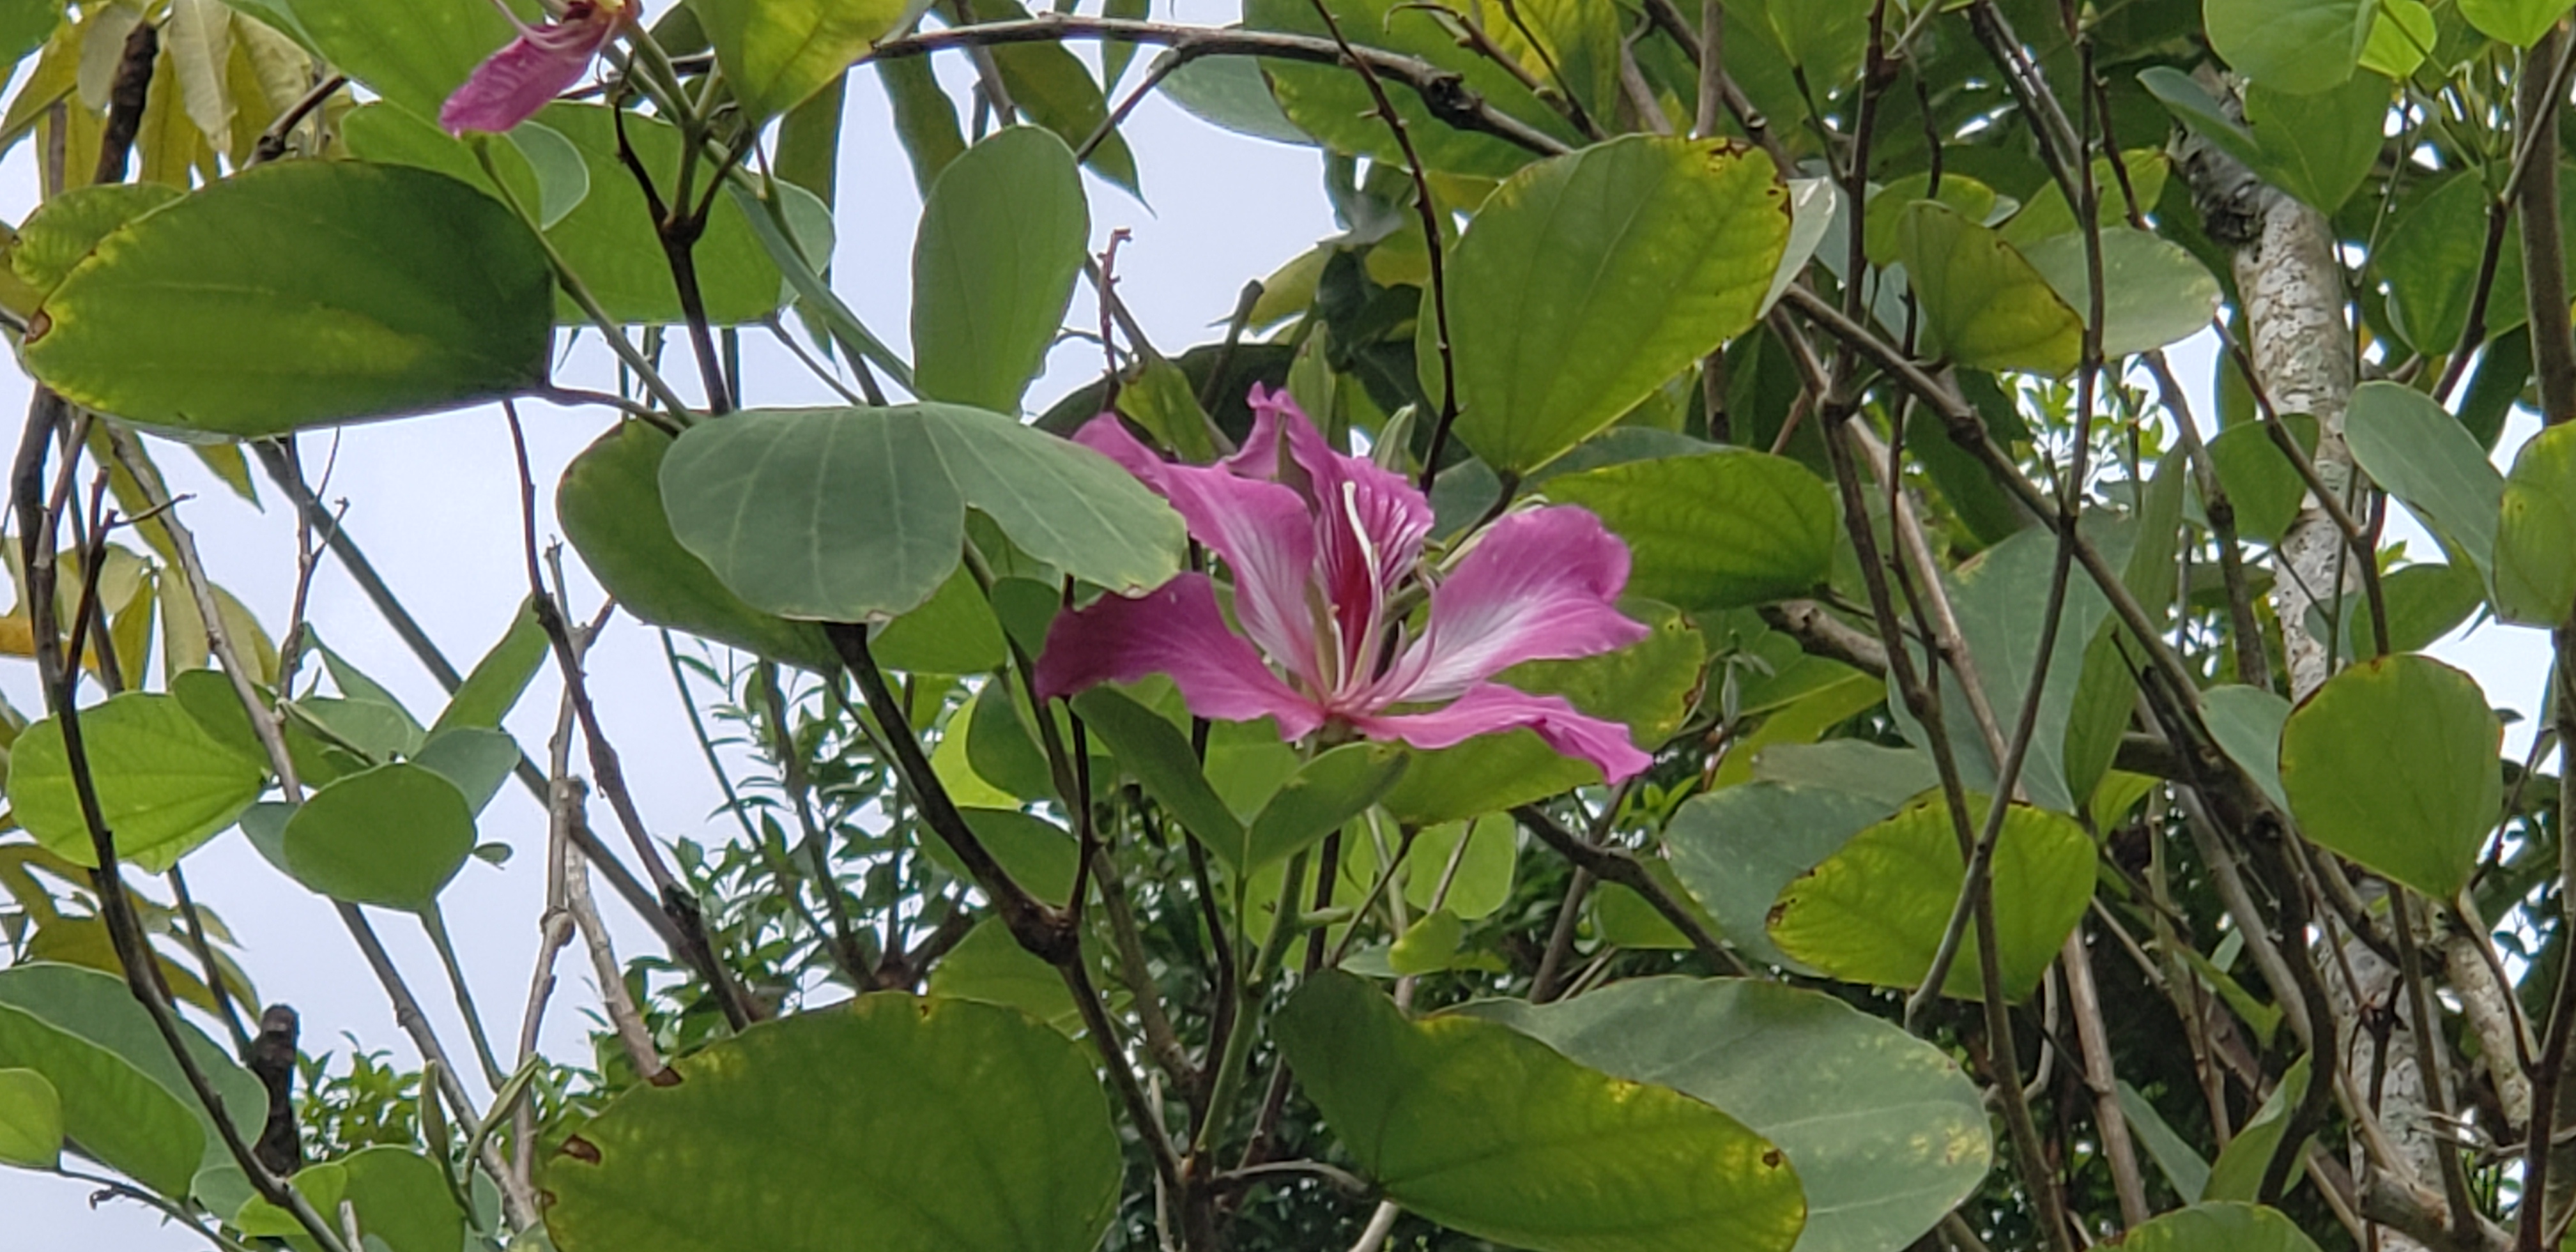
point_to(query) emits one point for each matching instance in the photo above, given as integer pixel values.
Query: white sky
(434, 501)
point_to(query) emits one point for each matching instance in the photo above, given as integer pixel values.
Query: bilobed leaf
(1481, 1128)
(109, 1109)
(1736, 848)
(297, 294)
(1483, 852)
(2319, 147)
(2535, 543)
(95, 1011)
(400, 1199)
(390, 836)
(2424, 457)
(2393, 763)
(2430, 256)
(610, 504)
(164, 784)
(1719, 530)
(776, 54)
(2297, 46)
(1001, 239)
(2193, 106)
(1875, 911)
(1974, 200)
(1985, 305)
(990, 967)
(1588, 280)
(2154, 293)
(996, 1139)
(1333, 105)
(31, 1120)
(2517, 22)
(1056, 90)
(1885, 1131)
(563, 177)
(858, 515)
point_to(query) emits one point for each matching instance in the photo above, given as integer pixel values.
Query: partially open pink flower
(1326, 551)
(543, 62)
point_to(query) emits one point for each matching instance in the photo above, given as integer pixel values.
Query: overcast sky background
(434, 501)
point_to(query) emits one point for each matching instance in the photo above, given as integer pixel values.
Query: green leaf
(401, 1200)
(390, 836)
(2193, 106)
(1721, 530)
(2227, 1227)
(1427, 946)
(1158, 756)
(610, 504)
(954, 632)
(2319, 147)
(1056, 90)
(2237, 1174)
(2517, 22)
(2424, 457)
(1874, 912)
(1036, 853)
(996, 1139)
(493, 689)
(1983, 304)
(1231, 92)
(990, 967)
(1974, 200)
(2430, 256)
(609, 240)
(62, 230)
(1331, 789)
(2262, 485)
(164, 784)
(477, 759)
(85, 1032)
(2047, 216)
(2175, 1158)
(2297, 46)
(2424, 603)
(1482, 852)
(31, 1120)
(1588, 280)
(1885, 1131)
(775, 54)
(1645, 686)
(2155, 293)
(2246, 722)
(1483, 1129)
(410, 53)
(858, 515)
(563, 177)
(2399, 40)
(1002, 237)
(2535, 543)
(1891, 776)
(1736, 848)
(925, 119)
(2393, 763)
(1333, 105)
(301, 293)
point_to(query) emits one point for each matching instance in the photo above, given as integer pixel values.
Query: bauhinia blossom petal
(1493, 708)
(530, 71)
(1538, 585)
(1175, 629)
(1261, 529)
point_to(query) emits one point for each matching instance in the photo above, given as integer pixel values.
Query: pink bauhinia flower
(1326, 553)
(528, 72)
